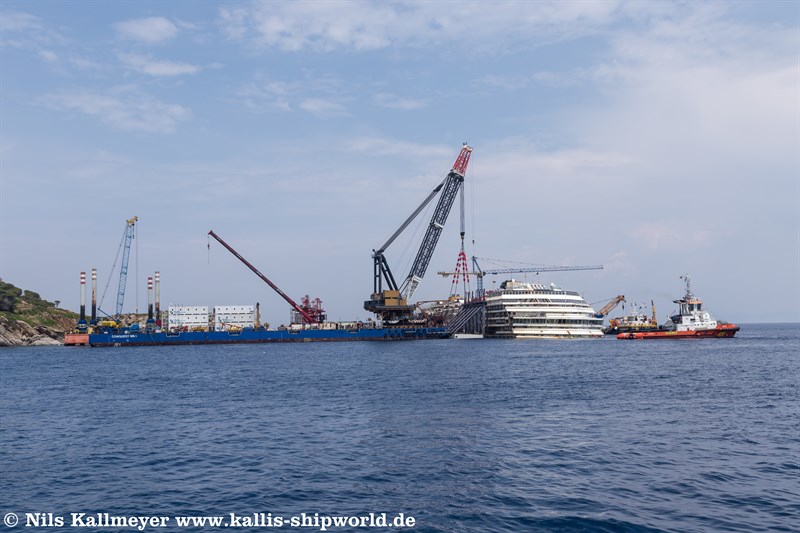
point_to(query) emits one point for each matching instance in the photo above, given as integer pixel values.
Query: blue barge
(125, 337)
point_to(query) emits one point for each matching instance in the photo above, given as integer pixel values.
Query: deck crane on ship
(390, 300)
(125, 247)
(610, 306)
(308, 313)
(123, 272)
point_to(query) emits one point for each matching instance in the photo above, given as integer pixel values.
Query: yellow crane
(610, 306)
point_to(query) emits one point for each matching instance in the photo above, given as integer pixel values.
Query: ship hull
(529, 333)
(720, 332)
(255, 336)
(616, 330)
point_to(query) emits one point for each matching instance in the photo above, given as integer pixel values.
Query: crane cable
(405, 258)
(113, 268)
(136, 302)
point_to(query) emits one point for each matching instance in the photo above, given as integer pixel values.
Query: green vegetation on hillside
(28, 306)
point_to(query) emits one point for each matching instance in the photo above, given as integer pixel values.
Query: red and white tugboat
(690, 322)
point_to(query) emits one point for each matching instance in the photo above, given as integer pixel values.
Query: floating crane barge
(389, 303)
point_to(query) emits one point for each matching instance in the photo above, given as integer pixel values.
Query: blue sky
(655, 138)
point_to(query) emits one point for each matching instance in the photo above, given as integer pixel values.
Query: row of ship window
(532, 314)
(548, 321)
(558, 292)
(541, 300)
(539, 304)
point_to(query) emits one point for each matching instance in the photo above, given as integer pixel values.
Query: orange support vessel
(690, 322)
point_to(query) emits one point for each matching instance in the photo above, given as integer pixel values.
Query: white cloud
(30, 33)
(392, 101)
(85, 64)
(392, 147)
(94, 168)
(49, 56)
(157, 67)
(700, 99)
(322, 107)
(298, 25)
(619, 262)
(15, 22)
(23, 30)
(265, 95)
(233, 22)
(123, 111)
(149, 30)
(510, 82)
(576, 77)
(357, 25)
(674, 236)
(520, 161)
(319, 95)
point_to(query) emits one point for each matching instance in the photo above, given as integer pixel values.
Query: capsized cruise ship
(525, 310)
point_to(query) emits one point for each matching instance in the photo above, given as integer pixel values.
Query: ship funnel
(150, 299)
(83, 297)
(82, 326)
(158, 298)
(94, 296)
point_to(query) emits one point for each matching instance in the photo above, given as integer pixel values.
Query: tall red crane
(307, 317)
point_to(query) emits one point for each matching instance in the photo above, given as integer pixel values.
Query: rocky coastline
(19, 333)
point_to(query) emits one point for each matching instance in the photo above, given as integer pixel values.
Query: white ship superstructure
(690, 316)
(531, 310)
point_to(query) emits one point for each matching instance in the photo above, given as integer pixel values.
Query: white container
(187, 318)
(227, 317)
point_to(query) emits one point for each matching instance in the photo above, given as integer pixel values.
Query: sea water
(461, 436)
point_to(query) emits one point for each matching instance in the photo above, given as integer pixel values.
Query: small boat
(690, 322)
(635, 321)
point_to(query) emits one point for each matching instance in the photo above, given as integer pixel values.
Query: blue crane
(125, 247)
(130, 225)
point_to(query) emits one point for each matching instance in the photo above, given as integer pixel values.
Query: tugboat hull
(721, 331)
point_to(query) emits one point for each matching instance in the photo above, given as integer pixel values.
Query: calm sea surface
(464, 436)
